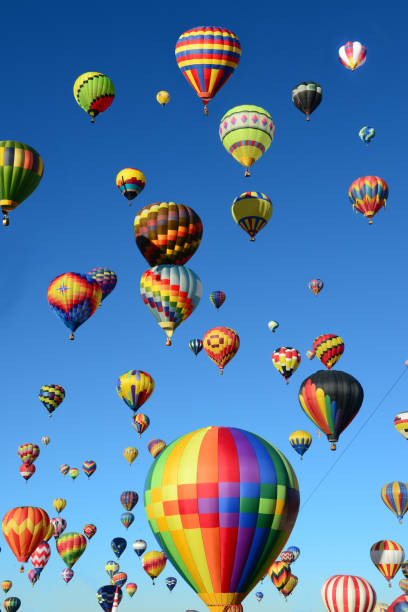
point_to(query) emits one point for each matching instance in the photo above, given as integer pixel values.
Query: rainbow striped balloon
(207, 56)
(395, 497)
(221, 502)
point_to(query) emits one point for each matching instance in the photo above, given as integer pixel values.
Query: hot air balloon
(94, 92)
(279, 573)
(105, 278)
(171, 293)
(134, 388)
(207, 56)
(34, 575)
(119, 579)
(154, 563)
(316, 285)
(395, 497)
(246, 132)
(287, 556)
(404, 568)
(399, 605)
(140, 422)
(170, 583)
(21, 170)
(306, 97)
(139, 546)
(73, 472)
(27, 470)
(401, 424)
(131, 588)
(51, 397)
(39, 558)
(163, 97)
(130, 183)
(259, 596)
(196, 346)
(74, 298)
(67, 574)
(296, 552)
(366, 134)
(28, 453)
(289, 586)
(105, 596)
(64, 469)
(352, 55)
(381, 607)
(328, 348)
(252, 211)
(167, 233)
(217, 298)
(403, 585)
(24, 529)
(310, 354)
(348, 594)
(111, 568)
(59, 525)
(155, 447)
(127, 519)
(50, 532)
(387, 556)
(45, 440)
(300, 441)
(89, 467)
(130, 453)
(12, 604)
(129, 499)
(6, 585)
(286, 360)
(89, 530)
(331, 400)
(368, 194)
(70, 547)
(232, 467)
(221, 344)
(118, 545)
(273, 326)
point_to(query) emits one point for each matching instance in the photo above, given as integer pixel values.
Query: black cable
(355, 436)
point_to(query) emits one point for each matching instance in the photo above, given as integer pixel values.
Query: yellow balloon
(59, 504)
(163, 97)
(50, 532)
(130, 453)
(252, 211)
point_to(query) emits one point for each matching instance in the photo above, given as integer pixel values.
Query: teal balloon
(195, 345)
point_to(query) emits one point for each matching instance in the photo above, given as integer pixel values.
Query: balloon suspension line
(382, 400)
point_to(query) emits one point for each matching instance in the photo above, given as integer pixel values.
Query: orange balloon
(24, 529)
(221, 345)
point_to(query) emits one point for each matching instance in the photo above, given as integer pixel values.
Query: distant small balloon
(139, 546)
(45, 440)
(155, 447)
(366, 134)
(127, 519)
(163, 97)
(273, 326)
(196, 346)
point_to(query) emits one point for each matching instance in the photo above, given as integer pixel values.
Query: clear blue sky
(77, 220)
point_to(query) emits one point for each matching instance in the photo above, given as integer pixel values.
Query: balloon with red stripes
(348, 594)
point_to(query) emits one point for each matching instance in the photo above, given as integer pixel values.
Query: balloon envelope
(24, 528)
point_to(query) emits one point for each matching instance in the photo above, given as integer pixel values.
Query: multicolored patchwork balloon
(129, 499)
(140, 422)
(331, 399)
(224, 473)
(154, 563)
(251, 211)
(89, 531)
(368, 194)
(70, 547)
(246, 132)
(395, 497)
(105, 278)
(94, 92)
(171, 293)
(328, 348)
(51, 396)
(207, 56)
(24, 528)
(221, 344)
(21, 170)
(167, 233)
(134, 388)
(89, 467)
(387, 556)
(59, 525)
(155, 447)
(74, 298)
(28, 452)
(286, 360)
(352, 55)
(130, 183)
(316, 285)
